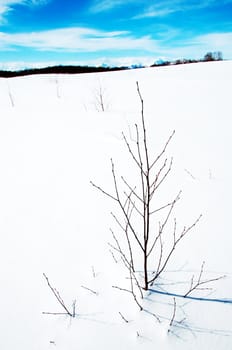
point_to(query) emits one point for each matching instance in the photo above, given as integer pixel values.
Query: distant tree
(213, 56)
(208, 57)
(161, 63)
(179, 61)
(136, 66)
(218, 55)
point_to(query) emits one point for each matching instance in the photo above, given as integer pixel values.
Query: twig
(124, 319)
(93, 272)
(113, 256)
(199, 282)
(163, 150)
(90, 290)
(104, 192)
(191, 175)
(161, 227)
(175, 242)
(173, 315)
(10, 96)
(60, 300)
(152, 314)
(122, 289)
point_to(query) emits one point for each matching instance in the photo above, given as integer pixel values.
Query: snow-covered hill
(54, 139)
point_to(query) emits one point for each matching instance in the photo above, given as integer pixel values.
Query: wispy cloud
(214, 42)
(7, 5)
(197, 46)
(77, 39)
(166, 7)
(38, 2)
(85, 40)
(106, 5)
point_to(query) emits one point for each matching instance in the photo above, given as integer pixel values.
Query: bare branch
(163, 178)
(123, 209)
(100, 98)
(190, 174)
(93, 272)
(133, 204)
(163, 150)
(132, 190)
(161, 208)
(104, 192)
(173, 315)
(127, 263)
(161, 228)
(161, 253)
(117, 221)
(59, 299)
(153, 185)
(74, 308)
(10, 95)
(175, 242)
(130, 151)
(122, 289)
(125, 230)
(144, 128)
(55, 313)
(133, 293)
(124, 319)
(199, 282)
(115, 260)
(152, 314)
(90, 290)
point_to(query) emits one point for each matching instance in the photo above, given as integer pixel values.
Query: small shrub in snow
(147, 244)
(141, 243)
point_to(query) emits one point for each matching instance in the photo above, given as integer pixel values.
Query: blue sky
(114, 32)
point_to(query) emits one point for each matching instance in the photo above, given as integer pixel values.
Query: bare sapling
(10, 96)
(173, 315)
(144, 236)
(58, 95)
(100, 102)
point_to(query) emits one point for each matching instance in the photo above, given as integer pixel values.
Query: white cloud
(106, 5)
(196, 47)
(77, 39)
(118, 43)
(38, 2)
(215, 42)
(166, 7)
(160, 9)
(7, 5)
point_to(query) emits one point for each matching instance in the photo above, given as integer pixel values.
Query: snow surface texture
(54, 139)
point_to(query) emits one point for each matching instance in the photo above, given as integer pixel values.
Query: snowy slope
(54, 139)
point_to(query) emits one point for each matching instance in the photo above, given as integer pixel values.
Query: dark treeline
(209, 56)
(58, 70)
